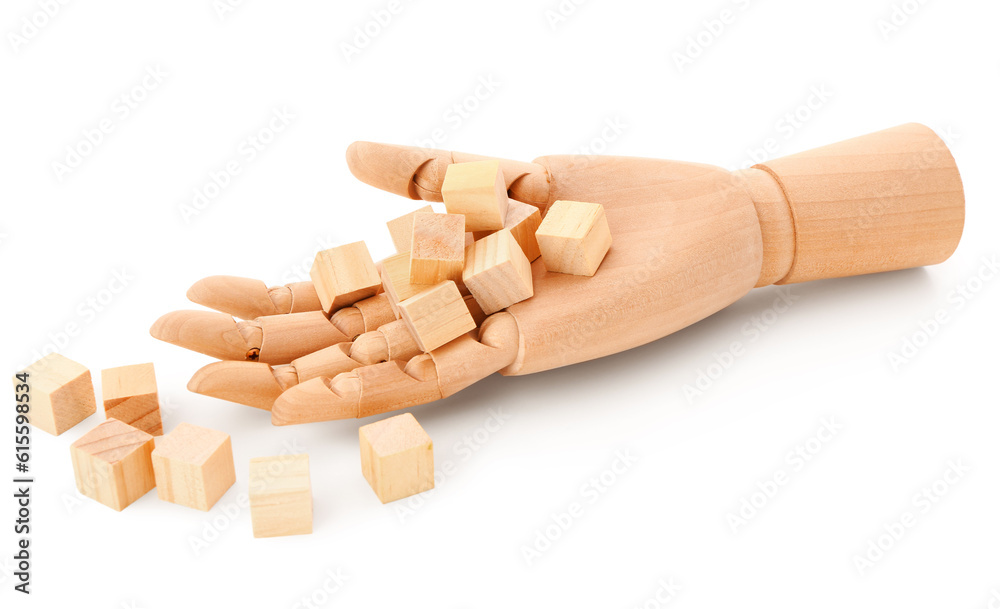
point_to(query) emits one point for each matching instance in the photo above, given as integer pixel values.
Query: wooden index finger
(418, 173)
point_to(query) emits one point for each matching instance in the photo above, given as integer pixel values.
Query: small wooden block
(437, 315)
(574, 237)
(397, 457)
(344, 275)
(395, 272)
(401, 229)
(130, 396)
(60, 393)
(522, 220)
(193, 466)
(478, 191)
(112, 464)
(497, 272)
(280, 496)
(438, 249)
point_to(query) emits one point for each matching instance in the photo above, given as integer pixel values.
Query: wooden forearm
(881, 202)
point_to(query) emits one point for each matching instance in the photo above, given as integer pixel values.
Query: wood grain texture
(344, 275)
(326, 362)
(881, 202)
(214, 334)
(395, 274)
(497, 272)
(397, 457)
(391, 341)
(776, 229)
(281, 496)
(61, 393)
(437, 315)
(437, 252)
(399, 341)
(686, 244)
(478, 191)
(375, 312)
(523, 221)
(251, 298)
(690, 239)
(288, 337)
(130, 395)
(401, 229)
(574, 237)
(250, 383)
(193, 466)
(112, 464)
(418, 173)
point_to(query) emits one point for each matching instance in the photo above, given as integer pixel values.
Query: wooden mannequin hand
(688, 240)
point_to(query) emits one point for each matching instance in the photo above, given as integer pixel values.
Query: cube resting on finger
(574, 237)
(437, 316)
(478, 191)
(395, 273)
(497, 272)
(344, 275)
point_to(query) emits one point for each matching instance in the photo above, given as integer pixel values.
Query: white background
(557, 85)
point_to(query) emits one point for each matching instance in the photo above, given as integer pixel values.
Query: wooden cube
(60, 393)
(395, 272)
(438, 249)
(401, 229)
(344, 275)
(522, 220)
(397, 457)
(130, 396)
(437, 315)
(193, 466)
(477, 191)
(112, 464)
(280, 496)
(574, 237)
(497, 272)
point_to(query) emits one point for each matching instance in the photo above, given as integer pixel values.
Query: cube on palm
(344, 275)
(478, 191)
(497, 272)
(574, 237)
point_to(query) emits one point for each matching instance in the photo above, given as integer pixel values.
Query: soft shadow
(672, 350)
(669, 351)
